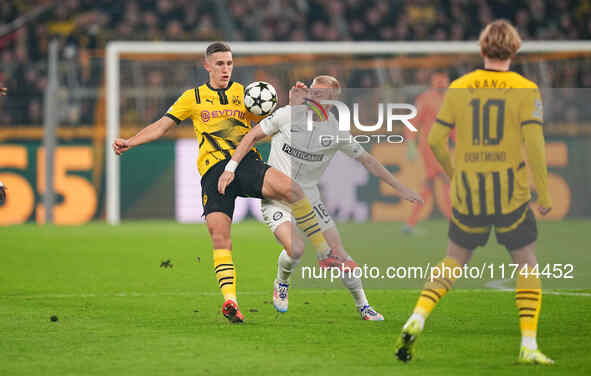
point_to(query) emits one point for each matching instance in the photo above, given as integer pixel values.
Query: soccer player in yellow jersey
(494, 112)
(220, 121)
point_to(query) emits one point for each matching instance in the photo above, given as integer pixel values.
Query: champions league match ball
(260, 98)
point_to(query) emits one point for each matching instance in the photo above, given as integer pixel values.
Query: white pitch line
(499, 285)
(567, 293)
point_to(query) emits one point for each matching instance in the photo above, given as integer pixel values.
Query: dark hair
(217, 47)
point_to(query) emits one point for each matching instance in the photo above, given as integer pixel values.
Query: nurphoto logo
(344, 119)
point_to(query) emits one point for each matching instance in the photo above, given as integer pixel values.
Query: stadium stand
(83, 27)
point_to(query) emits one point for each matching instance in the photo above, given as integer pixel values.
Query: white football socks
(356, 287)
(416, 316)
(529, 343)
(323, 255)
(285, 266)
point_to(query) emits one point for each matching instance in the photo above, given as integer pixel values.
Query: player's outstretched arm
(247, 142)
(536, 157)
(376, 168)
(148, 134)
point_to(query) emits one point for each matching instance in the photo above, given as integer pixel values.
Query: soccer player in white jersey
(303, 156)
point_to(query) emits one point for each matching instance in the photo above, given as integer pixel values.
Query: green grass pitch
(121, 313)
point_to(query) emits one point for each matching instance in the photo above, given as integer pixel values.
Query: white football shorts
(276, 213)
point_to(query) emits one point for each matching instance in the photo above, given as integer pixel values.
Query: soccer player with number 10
(492, 110)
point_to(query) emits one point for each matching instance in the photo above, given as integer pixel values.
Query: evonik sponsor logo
(207, 115)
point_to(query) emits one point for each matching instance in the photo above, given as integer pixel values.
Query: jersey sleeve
(445, 116)
(439, 145)
(531, 117)
(182, 108)
(272, 123)
(531, 110)
(255, 118)
(348, 146)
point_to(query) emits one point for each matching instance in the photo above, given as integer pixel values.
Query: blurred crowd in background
(83, 27)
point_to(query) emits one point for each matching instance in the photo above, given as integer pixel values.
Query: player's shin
(528, 298)
(285, 266)
(352, 281)
(225, 273)
(440, 282)
(307, 221)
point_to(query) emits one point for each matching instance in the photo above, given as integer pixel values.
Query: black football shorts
(248, 182)
(514, 230)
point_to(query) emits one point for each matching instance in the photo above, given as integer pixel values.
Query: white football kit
(303, 155)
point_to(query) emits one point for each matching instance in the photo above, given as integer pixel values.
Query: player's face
(321, 92)
(440, 81)
(219, 65)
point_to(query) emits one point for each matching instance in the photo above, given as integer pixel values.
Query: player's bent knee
(292, 192)
(279, 186)
(286, 189)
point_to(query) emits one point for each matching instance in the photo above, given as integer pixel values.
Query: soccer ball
(260, 98)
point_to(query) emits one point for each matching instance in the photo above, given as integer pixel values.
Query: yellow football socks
(307, 222)
(436, 288)
(225, 273)
(528, 297)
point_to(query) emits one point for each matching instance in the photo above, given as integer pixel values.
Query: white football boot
(280, 296)
(370, 314)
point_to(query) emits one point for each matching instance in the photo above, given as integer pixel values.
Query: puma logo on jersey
(209, 100)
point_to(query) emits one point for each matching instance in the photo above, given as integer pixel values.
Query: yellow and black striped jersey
(490, 111)
(219, 118)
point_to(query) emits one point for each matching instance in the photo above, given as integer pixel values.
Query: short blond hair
(330, 81)
(499, 40)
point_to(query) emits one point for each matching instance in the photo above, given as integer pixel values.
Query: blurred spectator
(35, 112)
(90, 23)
